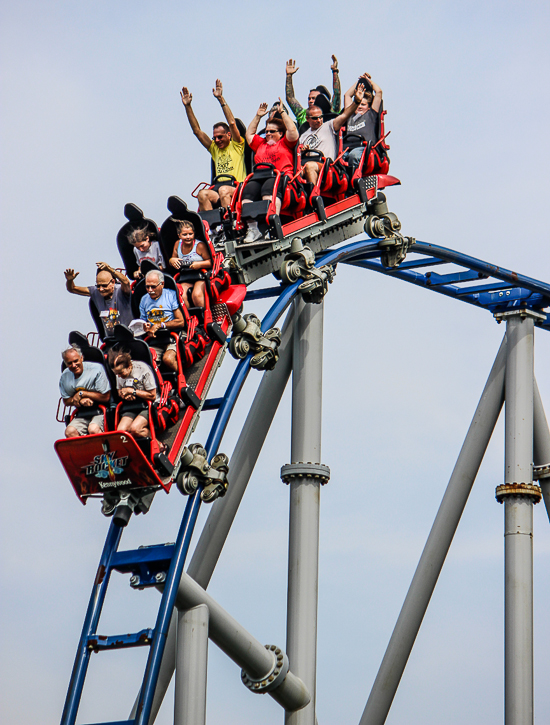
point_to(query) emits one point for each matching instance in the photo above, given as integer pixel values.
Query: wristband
(335, 70)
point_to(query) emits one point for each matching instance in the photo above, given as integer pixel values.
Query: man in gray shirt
(85, 385)
(323, 136)
(112, 300)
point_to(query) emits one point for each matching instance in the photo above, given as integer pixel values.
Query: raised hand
(218, 90)
(186, 97)
(334, 65)
(359, 94)
(291, 67)
(262, 110)
(70, 275)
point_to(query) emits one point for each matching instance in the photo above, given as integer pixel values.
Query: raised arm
(70, 276)
(186, 99)
(253, 125)
(125, 284)
(229, 117)
(348, 95)
(336, 89)
(377, 100)
(340, 120)
(290, 99)
(291, 134)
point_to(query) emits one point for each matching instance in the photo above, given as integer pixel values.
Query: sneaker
(252, 235)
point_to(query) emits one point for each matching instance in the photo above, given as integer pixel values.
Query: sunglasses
(272, 132)
(152, 286)
(218, 138)
(104, 286)
(315, 118)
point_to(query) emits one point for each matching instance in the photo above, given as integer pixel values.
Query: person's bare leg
(140, 427)
(170, 360)
(311, 172)
(124, 423)
(198, 294)
(226, 194)
(94, 429)
(277, 203)
(207, 197)
(71, 432)
(185, 287)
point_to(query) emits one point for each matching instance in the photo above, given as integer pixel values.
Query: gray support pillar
(438, 543)
(221, 517)
(266, 669)
(541, 445)
(243, 460)
(303, 553)
(191, 666)
(518, 494)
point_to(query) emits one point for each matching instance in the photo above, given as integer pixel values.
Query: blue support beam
(98, 642)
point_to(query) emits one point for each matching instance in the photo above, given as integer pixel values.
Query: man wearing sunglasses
(160, 308)
(110, 294)
(226, 148)
(323, 136)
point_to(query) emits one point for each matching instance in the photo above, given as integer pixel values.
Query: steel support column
(518, 494)
(191, 666)
(438, 543)
(303, 555)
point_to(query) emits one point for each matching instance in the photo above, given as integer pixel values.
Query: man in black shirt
(362, 126)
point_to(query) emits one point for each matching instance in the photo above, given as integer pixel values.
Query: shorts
(132, 414)
(255, 190)
(217, 186)
(82, 424)
(161, 349)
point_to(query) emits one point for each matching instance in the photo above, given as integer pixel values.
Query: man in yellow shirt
(226, 148)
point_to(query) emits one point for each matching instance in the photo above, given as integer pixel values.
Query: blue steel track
(468, 280)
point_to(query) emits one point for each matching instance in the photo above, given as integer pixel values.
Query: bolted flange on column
(292, 471)
(273, 678)
(527, 490)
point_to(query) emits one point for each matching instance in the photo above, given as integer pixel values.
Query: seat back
(136, 220)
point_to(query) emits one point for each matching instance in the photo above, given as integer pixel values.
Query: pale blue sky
(91, 120)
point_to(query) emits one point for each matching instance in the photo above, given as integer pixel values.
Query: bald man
(110, 295)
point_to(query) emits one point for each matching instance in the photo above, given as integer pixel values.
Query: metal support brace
(191, 666)
(195, 471)
(436, 548)
(541, 446)
(261, 665)
(248, 338)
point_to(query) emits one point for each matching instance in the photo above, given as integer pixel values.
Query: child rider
(190, 254)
